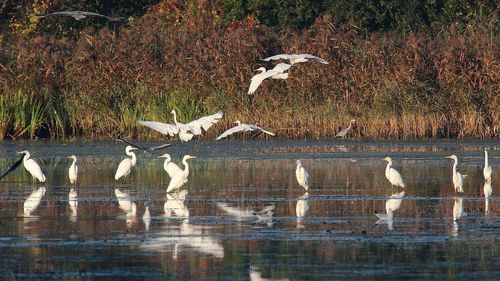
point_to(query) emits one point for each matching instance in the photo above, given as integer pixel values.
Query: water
(46, 234)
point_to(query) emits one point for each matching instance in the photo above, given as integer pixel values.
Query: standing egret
(458, 179)
(32, 167)
(278, 72)
(73, 170)
(343, 133)
(487, 168)
(185, 131)
(126, 165)
(240, 127)
(392, 175)
(302, 176)
(296, 58)
(170, 167)
(180, 178)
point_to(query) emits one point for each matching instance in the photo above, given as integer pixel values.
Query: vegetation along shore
(430, 70)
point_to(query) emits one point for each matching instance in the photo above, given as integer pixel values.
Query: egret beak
(449, 157)
(133, 148)
(21, 152)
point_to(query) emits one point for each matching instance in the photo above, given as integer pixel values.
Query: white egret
(79, 15)
(179, 179)
(32, 167)
(343, 133)
(458, 179)
(240, 127)
(302, 176)
(391, 205)
(170, 167)
(296, 58)
(126, 165)
(73, 170)
(185, 131)
(487, 168)
(175, 204)
(33, 200)
(278, 72)
(73, 203)
(392, 175)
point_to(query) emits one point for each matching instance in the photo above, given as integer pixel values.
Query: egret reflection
(391, 205)
(73, 204)
(186, 236)
(174, 205)
(146, 218)
(242, 214)
(487, 194)
(301, 208)
(33, 201)
(126, 205)
(458, 212)
(255, 275)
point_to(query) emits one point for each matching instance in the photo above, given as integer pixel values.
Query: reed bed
(397, 85)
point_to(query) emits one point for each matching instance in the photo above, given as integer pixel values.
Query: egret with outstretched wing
(278, 72)
(296, 58)
(79, 15)
(240, 127)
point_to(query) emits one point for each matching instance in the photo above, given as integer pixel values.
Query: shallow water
(100, 233)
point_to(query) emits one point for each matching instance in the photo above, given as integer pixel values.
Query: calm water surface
(96, 230)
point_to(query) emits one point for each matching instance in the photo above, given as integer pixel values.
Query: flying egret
(32, 167)
(73, 170)
(79, 15)
(126, 165)
(487, 168)
(302, 176)
(392, 175)
(170, 167)
(185, 131)
(179, 179)
(343, 133)
(240, 127)
(296, 58)
(458, 179)
(147, 150)
(278, 72)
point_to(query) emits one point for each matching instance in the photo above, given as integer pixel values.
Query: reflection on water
(253, 234)
(73, 204)
(174, 205)
(33, 201)
(301, 208)
(391, 205)
(129, 207)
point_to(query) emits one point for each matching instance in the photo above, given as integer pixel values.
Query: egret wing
(278, 57)
(164, 128)
(255, 127)
(204, 122)
(308, 56)
(231, 131)
(257, 80)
